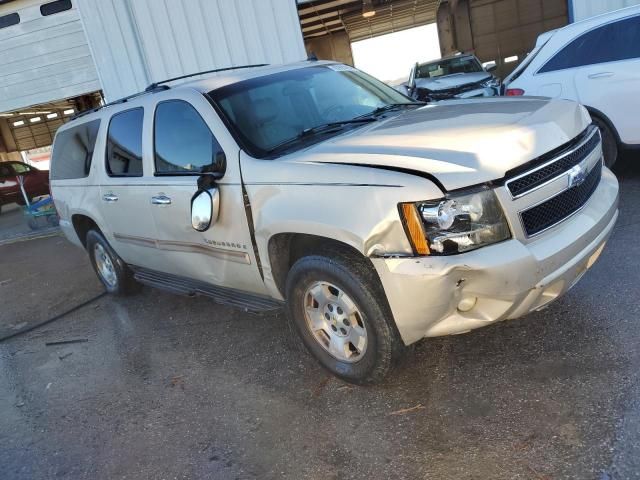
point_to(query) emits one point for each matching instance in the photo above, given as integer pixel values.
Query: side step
(186, 286)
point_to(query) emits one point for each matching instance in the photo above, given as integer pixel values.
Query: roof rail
(155, 85)
(120, 100)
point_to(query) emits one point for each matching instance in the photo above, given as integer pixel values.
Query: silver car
(372, 220)
(460, 76)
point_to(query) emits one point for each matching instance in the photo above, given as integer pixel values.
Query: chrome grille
(548, 171)
(547, 214)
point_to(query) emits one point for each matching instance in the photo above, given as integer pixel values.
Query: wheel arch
(594, 112)
(82, 224)
(285, 248)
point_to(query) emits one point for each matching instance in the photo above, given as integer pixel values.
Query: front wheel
(338, 310)
(114, 274)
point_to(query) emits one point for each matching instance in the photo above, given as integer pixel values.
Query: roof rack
(155, 85)
(159, 86)
(120, 100)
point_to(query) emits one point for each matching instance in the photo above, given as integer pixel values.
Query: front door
(184, 146)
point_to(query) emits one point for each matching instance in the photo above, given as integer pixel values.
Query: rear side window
(124, 144)
(183, 142)
(9, 20)
(609, 43)
(52, 8)
(73, 150)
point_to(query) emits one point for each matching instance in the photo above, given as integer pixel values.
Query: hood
(462, 142)
(452, 81)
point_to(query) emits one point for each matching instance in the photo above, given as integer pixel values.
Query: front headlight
(492, 83)
(459, 223)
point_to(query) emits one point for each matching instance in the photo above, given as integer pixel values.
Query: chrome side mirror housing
(205, 208)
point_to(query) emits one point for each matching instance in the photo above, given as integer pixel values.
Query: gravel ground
(161, 386)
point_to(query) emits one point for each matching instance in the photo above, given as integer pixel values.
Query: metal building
(581, 9)
(61, 56)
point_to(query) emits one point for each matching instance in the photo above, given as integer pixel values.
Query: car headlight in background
(455, 224)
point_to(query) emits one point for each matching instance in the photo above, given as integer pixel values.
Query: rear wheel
(338, 310)
(114, 274)
(609, 143)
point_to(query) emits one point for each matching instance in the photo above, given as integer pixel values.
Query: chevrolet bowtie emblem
(577, 175)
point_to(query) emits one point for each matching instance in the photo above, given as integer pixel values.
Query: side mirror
(491, 67)
(205, 208)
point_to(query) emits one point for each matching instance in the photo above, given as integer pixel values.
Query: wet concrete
(171, 387)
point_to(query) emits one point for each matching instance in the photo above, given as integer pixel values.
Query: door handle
(161, 200)
(601, 75)
(110, 197)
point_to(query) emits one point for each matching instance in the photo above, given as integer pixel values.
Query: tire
(371, 359)
(114, 274)
(609, 142)
(33, 223)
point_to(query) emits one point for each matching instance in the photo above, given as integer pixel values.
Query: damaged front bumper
(435, 296)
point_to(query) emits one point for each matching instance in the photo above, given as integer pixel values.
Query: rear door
(184, 145)
(124, 191)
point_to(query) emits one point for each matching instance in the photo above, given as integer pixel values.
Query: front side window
(267, 111)
(5, 171)
(183, 142)
(609, 43)
(124, 144)
(73, 150)
(449, 66)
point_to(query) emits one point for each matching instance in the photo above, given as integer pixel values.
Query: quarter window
(610, 43)
(52, 8)
(9, 20)
(183, 142)
(124, 144)
(73, 150)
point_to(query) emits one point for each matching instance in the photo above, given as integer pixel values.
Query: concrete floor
(162, 386)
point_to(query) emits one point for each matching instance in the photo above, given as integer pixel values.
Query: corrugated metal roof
(320, 17)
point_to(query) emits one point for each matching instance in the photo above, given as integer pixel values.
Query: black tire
(609, 142)
(360, 282)
(124, 283)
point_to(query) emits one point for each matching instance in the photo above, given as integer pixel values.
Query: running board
(186, 286)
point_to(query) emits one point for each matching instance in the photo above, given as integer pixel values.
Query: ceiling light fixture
(367, 9)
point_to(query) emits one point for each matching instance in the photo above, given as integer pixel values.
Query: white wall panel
(588, 8)
(43, 59)
(137, 42)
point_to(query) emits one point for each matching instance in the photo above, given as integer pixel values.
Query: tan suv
(374, 220)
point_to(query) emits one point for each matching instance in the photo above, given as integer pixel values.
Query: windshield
(449, 67)
(269, 111)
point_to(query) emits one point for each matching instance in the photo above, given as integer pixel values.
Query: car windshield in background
(448, 67)
(286, 109)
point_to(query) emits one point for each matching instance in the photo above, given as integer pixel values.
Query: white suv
(595, 62)
(373, 220)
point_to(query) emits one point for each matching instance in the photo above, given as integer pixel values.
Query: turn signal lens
(414, 229)
(514, 92)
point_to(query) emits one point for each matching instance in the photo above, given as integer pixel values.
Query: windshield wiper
(323, 128)
(388, 108)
